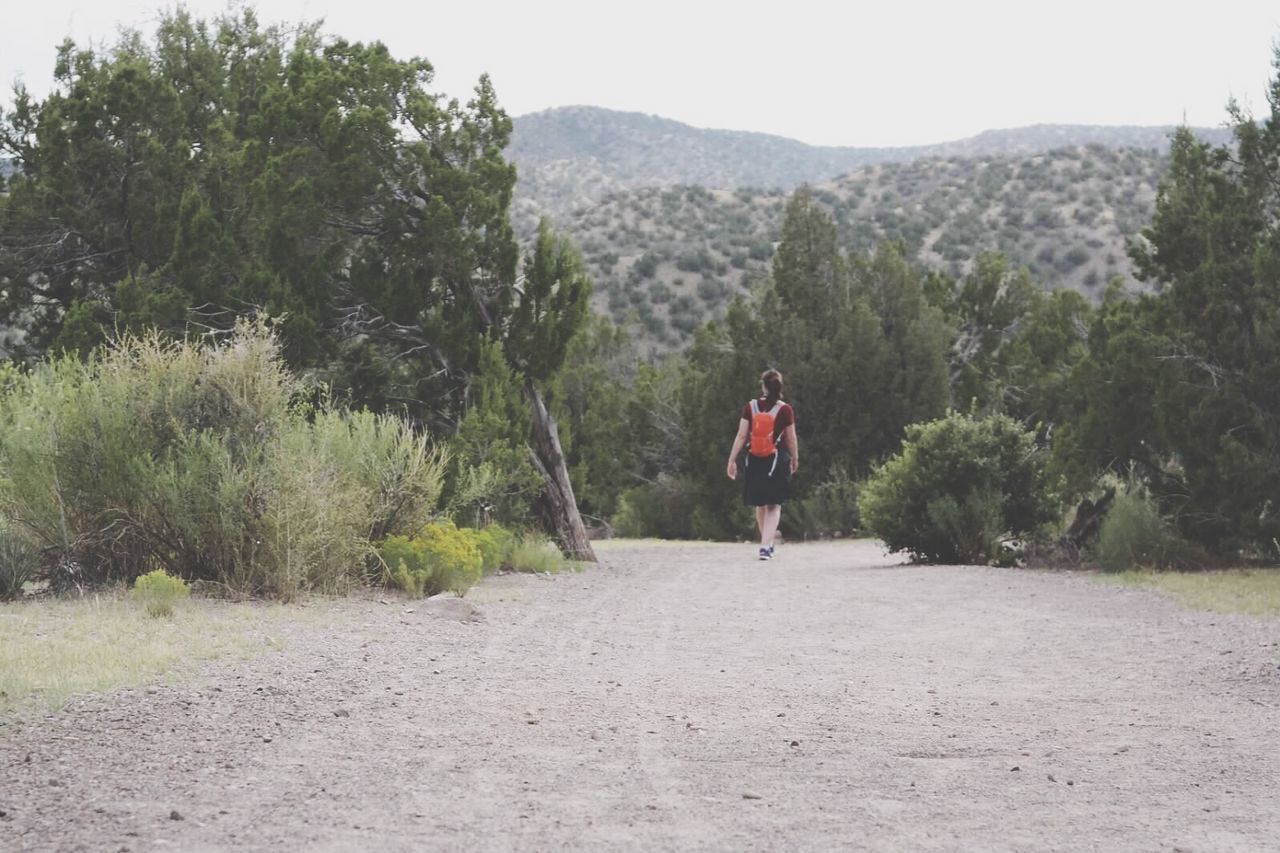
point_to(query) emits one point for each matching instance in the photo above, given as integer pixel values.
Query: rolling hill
(673, 220)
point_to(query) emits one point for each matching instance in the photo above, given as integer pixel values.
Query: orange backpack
(762, 441)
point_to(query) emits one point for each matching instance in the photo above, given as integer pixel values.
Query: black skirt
(767, 479)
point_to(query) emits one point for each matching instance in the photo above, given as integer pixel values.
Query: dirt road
(687, 697)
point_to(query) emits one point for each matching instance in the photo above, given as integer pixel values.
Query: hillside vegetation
(670, 257)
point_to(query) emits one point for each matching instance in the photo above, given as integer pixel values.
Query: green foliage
(1015, 346)
(496, 544)
(674, 507)
(618, 422)
(439, 558)
(491, 473)
(830, 509)
(537, 555)
(396, 468)
(19, 561)
(201, 460)
(551, 308)
(158, 591)
(223, 167)
(1135, 535)
(1215, 245)
(1181, 386)
(961, 486)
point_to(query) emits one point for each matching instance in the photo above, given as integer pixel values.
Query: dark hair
(772, 382)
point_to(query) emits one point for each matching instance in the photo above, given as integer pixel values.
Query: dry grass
(1252, 591)
(51, 650)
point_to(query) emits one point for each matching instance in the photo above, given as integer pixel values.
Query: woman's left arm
(789, 439)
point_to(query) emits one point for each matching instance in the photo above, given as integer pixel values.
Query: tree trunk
(558, 503)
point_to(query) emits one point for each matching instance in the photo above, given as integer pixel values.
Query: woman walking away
(768, 426)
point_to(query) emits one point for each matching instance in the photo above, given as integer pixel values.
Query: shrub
(1134, 534)
(676, 507)
(644, 267)
(496, 544)
(711, 290)
(685, 314)
(201, 460)
(158, 591)
(662, 509)
(693, 261)
(831, 509)
(385, 459)
(960, 489)
(440, 557)
(536, 554)
(18, 562)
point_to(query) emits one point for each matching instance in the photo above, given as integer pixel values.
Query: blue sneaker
(766, 553)
(771, 552)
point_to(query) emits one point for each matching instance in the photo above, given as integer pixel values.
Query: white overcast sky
(893, 72)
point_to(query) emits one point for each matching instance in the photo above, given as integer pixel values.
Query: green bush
(831, 509)
(440, 557)
(200, 459)
(537, 554)
(496, 545)
(661, 509)
(18, 562)
(673, 507)
(158, 591)
(961, 488)
(1135, 535)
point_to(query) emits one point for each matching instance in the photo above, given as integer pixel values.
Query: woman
(769, 425)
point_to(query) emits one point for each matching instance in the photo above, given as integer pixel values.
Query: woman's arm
(789, 440)
(744, 426)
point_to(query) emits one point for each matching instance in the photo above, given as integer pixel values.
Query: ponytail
(772, 382)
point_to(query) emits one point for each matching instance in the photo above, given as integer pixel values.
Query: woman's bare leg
(760, 512)
(769, 524)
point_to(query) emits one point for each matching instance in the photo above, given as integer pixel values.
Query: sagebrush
(208, 461)
(1134, 533)
(158, 592)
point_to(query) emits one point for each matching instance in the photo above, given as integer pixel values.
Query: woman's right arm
(744, 426)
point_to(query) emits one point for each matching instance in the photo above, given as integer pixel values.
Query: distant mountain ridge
(570, 156)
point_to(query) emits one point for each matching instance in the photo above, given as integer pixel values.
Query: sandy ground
(687, 697)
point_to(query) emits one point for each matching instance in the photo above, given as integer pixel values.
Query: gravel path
(687, 697)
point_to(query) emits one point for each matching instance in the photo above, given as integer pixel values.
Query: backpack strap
(755, 407)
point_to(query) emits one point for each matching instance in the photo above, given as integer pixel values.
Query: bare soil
(687, 697)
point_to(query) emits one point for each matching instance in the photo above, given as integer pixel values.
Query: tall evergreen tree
(227, 168)
(916, 336)
(1183, 383)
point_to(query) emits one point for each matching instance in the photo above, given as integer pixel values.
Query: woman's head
(771, 381)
